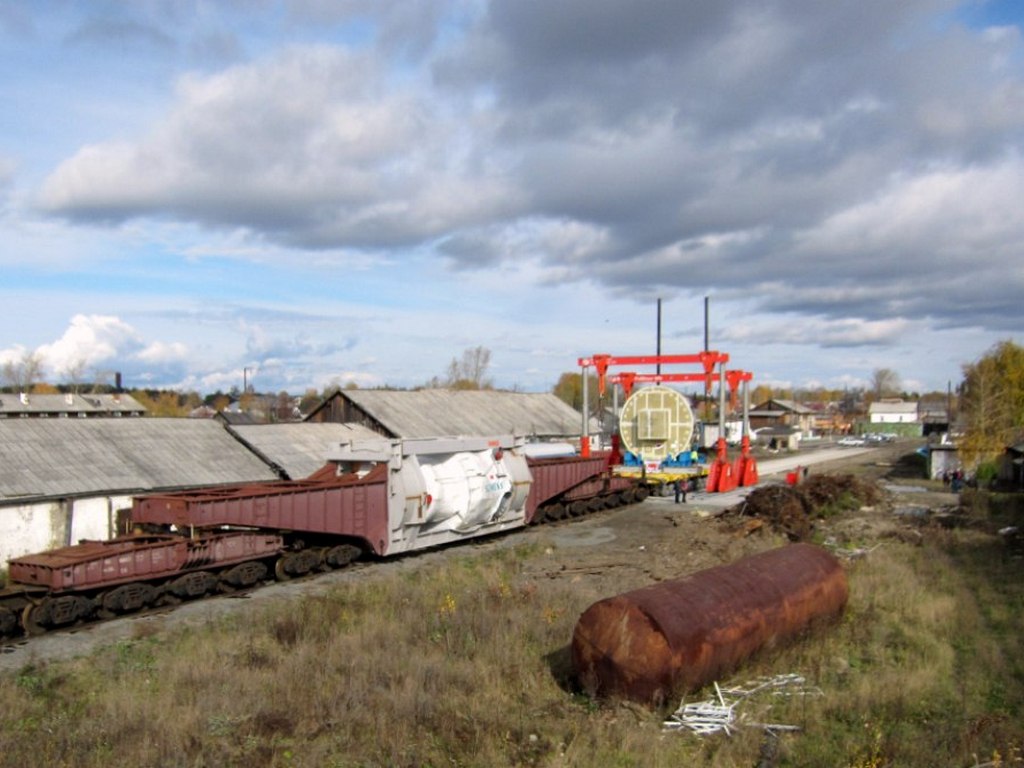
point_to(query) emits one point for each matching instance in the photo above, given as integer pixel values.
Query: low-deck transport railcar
(373, 498)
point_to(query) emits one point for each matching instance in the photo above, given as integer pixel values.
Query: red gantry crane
(722, 475)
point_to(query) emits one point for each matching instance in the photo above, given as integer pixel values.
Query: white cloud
(12, 354)
(945, 218)
(821, 331)
(159, 352)
(96, 344)
(312, 146)
(92, 340)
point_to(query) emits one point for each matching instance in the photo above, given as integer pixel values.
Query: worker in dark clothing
(681, 486)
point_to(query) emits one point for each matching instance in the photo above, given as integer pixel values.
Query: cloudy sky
(320, 191)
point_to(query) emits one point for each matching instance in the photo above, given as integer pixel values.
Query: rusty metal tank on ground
(660, 641)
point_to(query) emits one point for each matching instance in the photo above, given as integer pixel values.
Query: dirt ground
(630, 547)
(617, 550)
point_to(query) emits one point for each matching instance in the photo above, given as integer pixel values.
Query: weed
(136, 656)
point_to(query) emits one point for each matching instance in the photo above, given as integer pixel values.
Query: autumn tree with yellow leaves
(992, 403)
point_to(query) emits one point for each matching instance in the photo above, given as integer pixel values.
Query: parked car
(852, 440)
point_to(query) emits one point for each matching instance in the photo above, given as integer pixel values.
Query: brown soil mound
(824, 491)
(791, 510)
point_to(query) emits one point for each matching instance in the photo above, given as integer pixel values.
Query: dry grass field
(462, 659)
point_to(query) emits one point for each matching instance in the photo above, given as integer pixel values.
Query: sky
(294, 195)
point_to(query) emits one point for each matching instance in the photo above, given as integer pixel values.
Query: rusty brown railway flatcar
(379, 497)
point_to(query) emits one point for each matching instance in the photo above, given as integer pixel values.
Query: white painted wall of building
(36, 527)
(26, 528)
(96, 518)
(893, 418)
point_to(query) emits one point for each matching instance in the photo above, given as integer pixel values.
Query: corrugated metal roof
(74, 457)
(445, 412)
(30, 405)
(118, 403)
(299, 449)
(783, 405)
(70, 404)
(889, 406)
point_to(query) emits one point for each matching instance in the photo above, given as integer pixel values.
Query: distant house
(893, 412)
(63, 406)
(782, 413)
(943, 459)
(260, 409)
(780, 438)
(934, 417)
(445, 412)
(66, 479)
(829, 419)
(1011, 467)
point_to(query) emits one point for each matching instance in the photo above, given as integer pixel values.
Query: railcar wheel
(245, 574)
(50, 612)
(8, 621)
(578, 508)
(321, 559)
(308, 560)
(342, 555)
(127, 598)
(281, 569)
(33, 620)
(192, 584)
(555, 512)
(298, 563)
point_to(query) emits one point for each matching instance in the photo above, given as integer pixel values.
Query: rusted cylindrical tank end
(660, 641)
(618, 650)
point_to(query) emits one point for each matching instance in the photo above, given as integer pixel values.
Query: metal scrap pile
(718, 715)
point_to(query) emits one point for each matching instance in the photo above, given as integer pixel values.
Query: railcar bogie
(199, 583)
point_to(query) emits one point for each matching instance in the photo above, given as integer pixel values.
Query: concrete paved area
(769, 471)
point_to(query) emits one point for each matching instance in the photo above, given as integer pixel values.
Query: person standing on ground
(681, 488)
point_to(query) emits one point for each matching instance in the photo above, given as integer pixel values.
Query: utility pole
(658, 347)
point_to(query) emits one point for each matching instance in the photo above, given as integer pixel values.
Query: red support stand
(746, 466)
(720, 475)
